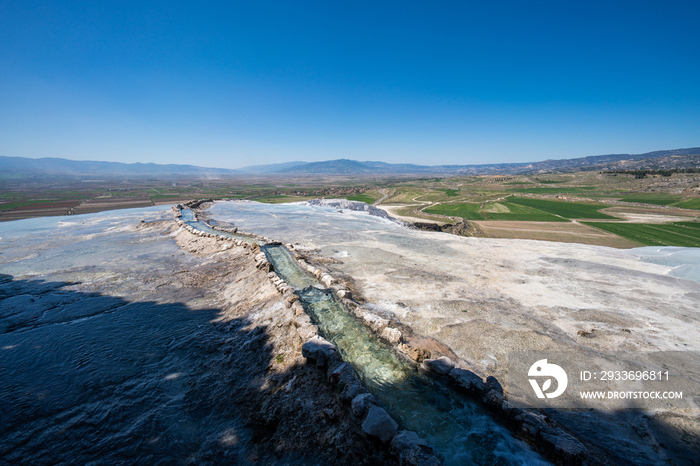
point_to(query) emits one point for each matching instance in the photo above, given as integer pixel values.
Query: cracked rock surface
(124, 339)
(483, 298)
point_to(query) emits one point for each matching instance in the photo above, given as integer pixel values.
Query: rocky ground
(132, 340)
(483, 298)
(291, 411)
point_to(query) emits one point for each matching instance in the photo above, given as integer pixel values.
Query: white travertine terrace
(485, 297)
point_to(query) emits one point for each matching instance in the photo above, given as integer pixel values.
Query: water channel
(459, 430)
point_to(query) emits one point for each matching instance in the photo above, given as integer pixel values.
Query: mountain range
(665, 159)
(57, 166)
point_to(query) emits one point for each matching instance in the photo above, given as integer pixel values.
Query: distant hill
(656, 163)
(665, 159)
(271, 168)
(335, 167)
(678, 158)
(608, 162)
(353, 167)
(65, 167)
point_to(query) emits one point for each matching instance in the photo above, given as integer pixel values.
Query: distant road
(380, 200)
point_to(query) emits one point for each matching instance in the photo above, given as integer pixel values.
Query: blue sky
(242, 83)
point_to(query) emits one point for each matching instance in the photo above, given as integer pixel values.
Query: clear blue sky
(437, 82)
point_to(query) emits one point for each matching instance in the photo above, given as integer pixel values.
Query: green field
(521, 209)
(656, 199)
(522, 213)
(43, 202)
(14, 205)
(686, 234)
(661, 199)
(512, 212)
(449, 192)
(564, 209)
(362, 198)
(557, 190)
(468, 211)
(689, 204)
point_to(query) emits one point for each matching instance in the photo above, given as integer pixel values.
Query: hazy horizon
(329, 160)
(235, 85)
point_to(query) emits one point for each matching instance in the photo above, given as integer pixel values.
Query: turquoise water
(685, 261)
(137, 351)
(288, 268)
(459, 430)
(189, 218)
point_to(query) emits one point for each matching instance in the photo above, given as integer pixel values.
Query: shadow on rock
(89, 378)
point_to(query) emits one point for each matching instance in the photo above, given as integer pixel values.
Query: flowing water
(458, 429)
(286, 266)
(189, 217)
(107, 357)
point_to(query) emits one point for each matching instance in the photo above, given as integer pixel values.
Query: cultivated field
(616, 210)
(48, 196)
(610, 209)
(685, 234)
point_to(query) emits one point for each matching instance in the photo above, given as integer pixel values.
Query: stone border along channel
(531, 425)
